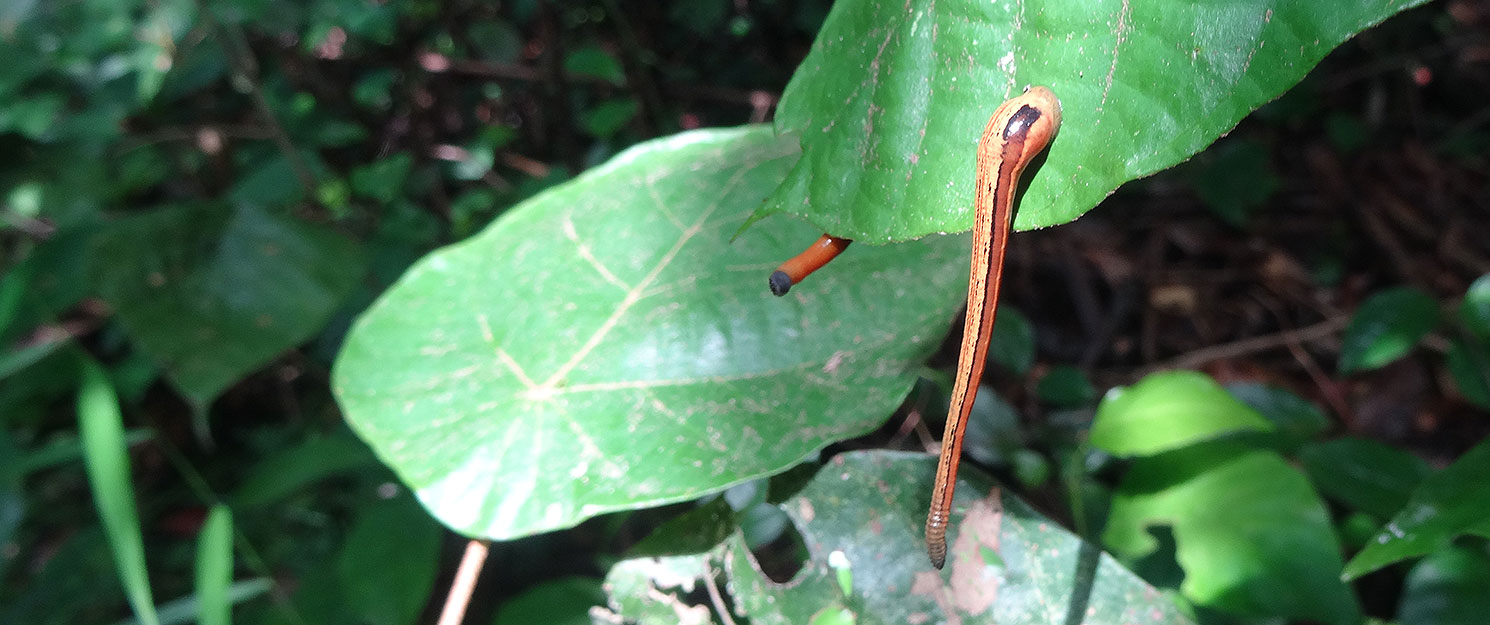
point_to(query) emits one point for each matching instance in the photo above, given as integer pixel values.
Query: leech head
(1032, 118)
(780, 283)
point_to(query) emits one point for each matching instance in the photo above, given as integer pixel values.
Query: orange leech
(1016, 132)
(802, 265)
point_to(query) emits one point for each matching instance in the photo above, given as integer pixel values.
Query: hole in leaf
(774, 541)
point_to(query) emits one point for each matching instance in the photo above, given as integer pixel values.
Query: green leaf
(1474, 311)
(1006, 563)
(294, 468)
(1012, 343)
(1449, 587)
(1386, 327)
(1065, 386)
(102, 430)
(604, 346)
(992, 436)
(890, 101)
(375, 89)
(608, 117)
(1166, 411)
(703, 17)
(694, 531)
(1347, 131)
(1469, 357)
(1469, 364)
(495, 39)
(215, 567)
(33, 117)
(833, 615)
(65, 450)
(213, 294)
(564, 601)
(75, 583)
(388, 564)
(1366, 475)
(274, 181)
(1233, 178)
(1452, 502)
(596, 63)
(186, 609)
(1295, 419)
(655, 591)
(156, 43)
(383, 180)
(13, 500)
(861, 517)
(1252, 537)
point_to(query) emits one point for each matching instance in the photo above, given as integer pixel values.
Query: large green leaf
(891, 99)
(1251, 535)
(1449, 503)
(213, 293)
(1167, 411)
(861, 518)
(605, 346)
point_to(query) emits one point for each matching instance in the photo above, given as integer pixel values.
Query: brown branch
(716, 598)
(465, 583)
(1252, 345)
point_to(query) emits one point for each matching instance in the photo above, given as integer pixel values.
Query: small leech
(802, 265)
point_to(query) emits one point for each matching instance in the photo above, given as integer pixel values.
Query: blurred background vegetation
(201, 196)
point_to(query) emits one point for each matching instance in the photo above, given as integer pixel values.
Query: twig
(465, 583)
(1377, 228)
(188, 133)
(1326, 386)
(1252, 345)
(716, 598)
(246, 68)
(907, 425)
(37, 229)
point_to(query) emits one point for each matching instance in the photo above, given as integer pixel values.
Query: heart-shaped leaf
(891, 99)
(604, 346)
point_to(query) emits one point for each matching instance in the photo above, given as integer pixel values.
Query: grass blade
(215, 567)
(102, 430)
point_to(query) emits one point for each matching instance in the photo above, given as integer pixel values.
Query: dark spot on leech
(1021, 120)
(780, 283)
